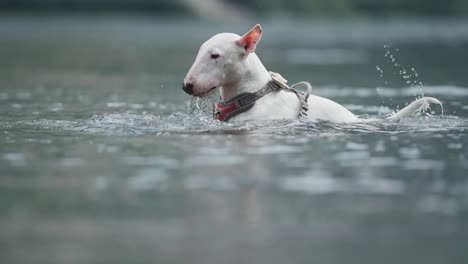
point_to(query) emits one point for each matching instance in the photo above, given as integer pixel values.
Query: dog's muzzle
(188, 88)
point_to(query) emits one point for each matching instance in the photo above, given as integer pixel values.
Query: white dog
(249, 92)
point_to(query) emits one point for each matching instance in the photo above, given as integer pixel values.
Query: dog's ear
(250, 39)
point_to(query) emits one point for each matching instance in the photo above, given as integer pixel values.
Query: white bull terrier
(249, 92)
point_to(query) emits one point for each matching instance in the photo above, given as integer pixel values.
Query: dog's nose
(188, 88)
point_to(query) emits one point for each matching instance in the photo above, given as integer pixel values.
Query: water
(104, 159)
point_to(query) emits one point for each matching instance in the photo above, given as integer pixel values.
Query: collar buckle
(279, 81)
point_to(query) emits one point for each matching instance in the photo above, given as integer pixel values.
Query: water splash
(409, 77)
(131, 124)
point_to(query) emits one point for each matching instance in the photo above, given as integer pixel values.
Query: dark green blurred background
(264, 8)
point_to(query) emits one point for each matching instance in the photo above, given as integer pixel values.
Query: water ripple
(128, 124)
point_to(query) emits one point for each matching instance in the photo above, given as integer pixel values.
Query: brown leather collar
(225, 110)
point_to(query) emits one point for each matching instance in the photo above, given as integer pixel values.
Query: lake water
(104, 159)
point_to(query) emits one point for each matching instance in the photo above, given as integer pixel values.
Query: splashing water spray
(200, 105)
(410, 77)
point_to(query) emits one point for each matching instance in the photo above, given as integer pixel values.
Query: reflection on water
(103, 159)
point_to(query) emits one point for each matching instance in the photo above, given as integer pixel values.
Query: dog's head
(219, 61)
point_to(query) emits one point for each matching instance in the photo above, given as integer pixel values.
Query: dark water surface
(103, 158)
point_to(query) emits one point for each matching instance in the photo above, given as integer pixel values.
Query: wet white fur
(235, 74)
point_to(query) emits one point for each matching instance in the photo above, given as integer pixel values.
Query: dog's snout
(188, 88)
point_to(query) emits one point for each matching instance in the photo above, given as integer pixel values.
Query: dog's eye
(214, 56)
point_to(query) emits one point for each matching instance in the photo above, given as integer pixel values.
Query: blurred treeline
(371, 8)
(269, 8)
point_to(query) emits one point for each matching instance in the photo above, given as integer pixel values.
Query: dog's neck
(253, 78)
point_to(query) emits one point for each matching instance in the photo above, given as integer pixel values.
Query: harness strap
(303, 96)
(225, 110)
